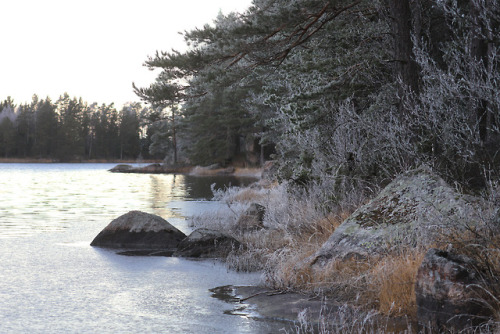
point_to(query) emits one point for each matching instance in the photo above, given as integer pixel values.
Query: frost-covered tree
(347, 90)
(457, 112)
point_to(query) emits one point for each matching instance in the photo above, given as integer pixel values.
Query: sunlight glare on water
(52, 281)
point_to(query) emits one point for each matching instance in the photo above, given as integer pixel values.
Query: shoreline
(157, 168)
(302, 310)
(149, 167)
(91, 161)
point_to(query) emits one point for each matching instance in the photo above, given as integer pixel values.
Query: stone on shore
(139, 230)
(206, 243)
(121, 168)
(152, 169)
(252, 219)
(448, 297)
(226, 171)
(409, 212)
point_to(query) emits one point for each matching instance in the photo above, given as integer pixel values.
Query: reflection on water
(52, 281)
(50, 197)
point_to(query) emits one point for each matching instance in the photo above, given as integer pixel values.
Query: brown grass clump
(346, 280)
(318, 232)
(248, 172)
(393, 277)
(258, 247)
(289, 267)
(247, 195)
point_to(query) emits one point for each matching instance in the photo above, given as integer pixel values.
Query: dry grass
(393, 277)
(295, 231)
(247, 195)
(296, 228)
(385, 283)
(289, 267)
(248, 172)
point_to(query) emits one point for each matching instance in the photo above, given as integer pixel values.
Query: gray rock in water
(448, 297)
(121, 168)
(206, 243)
(139, 230)
(408, 212)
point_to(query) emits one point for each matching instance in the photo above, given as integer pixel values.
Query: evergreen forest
(70, 129)
(347, 94)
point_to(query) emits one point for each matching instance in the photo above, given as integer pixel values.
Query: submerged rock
(139, 230)
(121, 168)
(447, 293)
(148, 252)
(408, 212)
(206, 243)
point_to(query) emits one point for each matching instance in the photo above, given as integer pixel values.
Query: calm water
(52, 281)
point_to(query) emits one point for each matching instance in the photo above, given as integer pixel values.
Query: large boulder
(206, 243)
(139, 230)
(409, 212)
(448, 293)
(252, 219)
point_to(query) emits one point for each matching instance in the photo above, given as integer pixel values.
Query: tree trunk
(405, 68)
(479, 52)
(174, 134)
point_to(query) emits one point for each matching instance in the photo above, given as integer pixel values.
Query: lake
(52, 281)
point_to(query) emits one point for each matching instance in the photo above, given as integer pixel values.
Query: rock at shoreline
(139, 230)
(206, 243)
(155, 168)
(151, 169)
(226, 171)
(447, 293)
(407, 213)
(252, 219)
(122, 168)
(212, 170)
(311, 314)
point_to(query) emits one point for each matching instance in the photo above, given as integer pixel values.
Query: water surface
(52, 281)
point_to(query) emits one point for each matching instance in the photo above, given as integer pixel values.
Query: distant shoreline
(255, 172)
(157, 168)
(33, 160)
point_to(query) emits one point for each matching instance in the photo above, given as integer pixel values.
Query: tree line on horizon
(69, 129)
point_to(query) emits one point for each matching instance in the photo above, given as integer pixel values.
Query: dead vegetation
(296, 227)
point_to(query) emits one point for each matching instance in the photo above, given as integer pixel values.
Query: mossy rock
(411, 211)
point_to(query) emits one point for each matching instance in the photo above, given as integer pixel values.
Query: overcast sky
(92, 49)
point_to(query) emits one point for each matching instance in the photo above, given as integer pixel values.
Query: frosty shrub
(456, 115)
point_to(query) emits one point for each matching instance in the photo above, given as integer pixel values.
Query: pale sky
(92, 49)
